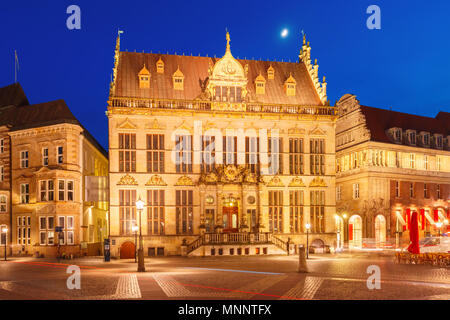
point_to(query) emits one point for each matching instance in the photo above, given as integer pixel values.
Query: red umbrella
(414, 234)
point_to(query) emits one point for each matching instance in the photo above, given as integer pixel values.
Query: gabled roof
(195, 70)
(12, 95)
(378, 121)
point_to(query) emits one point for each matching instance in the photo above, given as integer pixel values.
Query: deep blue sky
(405, 65)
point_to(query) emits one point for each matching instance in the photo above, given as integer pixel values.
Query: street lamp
(135, 229)
(5, 231)
(439, 225)
(141, 265)
(308, 226)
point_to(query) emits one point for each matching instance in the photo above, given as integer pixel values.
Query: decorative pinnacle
(228, 41)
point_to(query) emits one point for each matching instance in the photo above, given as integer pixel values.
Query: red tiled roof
(195, 70)
(378, 121)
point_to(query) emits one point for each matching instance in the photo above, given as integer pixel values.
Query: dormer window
(438, 140)
(270, 73)
(144, 78)
(260, 84)
(178, 80)
(425, 138)
(289, 86)
(398, 134)
(160, 66)
(411, 136)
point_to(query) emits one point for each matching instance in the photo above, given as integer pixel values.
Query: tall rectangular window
(296, 201)
(296, 156)
(24, 230)
(356, 191)
(69, 190)
(412, 160)
(275, 155)
(230, 150)
(425, 191)
(60, 155)
(67, 234)
(317, 156)
(184, 211)
(2, 145)
(317, 212)
(183, 155)
(45, 157)
(207, 161)
(438, 191)
(411, 190)
(61, 190)
(276, 211)
(127, 211)
(425, 162)
(3, 206)
(252, 154)
(46, 230)
(47, 190)
(127, 152)
(2, 173)
(397, 189)
(24, 193)
(24, 159)
(155, 211)
(155, 153)
(339, 193)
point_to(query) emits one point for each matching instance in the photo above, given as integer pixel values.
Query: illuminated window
(230, 150)
(183, 153)
(155, 211)
(155, 153)
(46, 230)
(296, 165)
(127, 152)
(207, 160)
(160, 66)
(356, 191)
(270, 73)
(178, 80)
(2, 145)
(127, 211)
(412, 137)
(412, 160)
(184, 211)
(24, 193)
(252, 154)
(46, 190)
(2, 173)
(317, 157)
(260, 84)
(144, 78)
(425, 162)
(289, 86)
(275, 155)
(45, 157)
(317, 211)
(296, 201)
(231, 94)
(24, 230)
(339, 193)
(276, 211)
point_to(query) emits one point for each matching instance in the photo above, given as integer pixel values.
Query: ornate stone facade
(219, 99)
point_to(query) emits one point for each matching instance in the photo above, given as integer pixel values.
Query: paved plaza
(340, 276)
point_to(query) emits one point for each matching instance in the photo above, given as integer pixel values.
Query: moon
(284, 33)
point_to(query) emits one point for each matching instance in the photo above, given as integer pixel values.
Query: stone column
(219, 209)
(259, 194)
(202, 227)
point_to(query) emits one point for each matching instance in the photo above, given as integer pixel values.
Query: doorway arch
(127, 250)
(355, 231)
(380, 231)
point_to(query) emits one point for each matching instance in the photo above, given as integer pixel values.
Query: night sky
(405, 65)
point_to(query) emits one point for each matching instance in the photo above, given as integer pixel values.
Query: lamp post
(439, 226)
(141, 265)
(5, 231)
(308, 226)
(135, 230)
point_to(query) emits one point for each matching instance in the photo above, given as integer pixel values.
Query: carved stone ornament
(127, 180)
(317, 182)
(156, 180)
(297, 182)
(275, 182)
(185, 181)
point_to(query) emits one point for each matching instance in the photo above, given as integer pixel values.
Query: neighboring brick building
(390, 164)
(47, 157)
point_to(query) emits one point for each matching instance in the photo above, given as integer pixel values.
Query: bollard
(302, 267)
